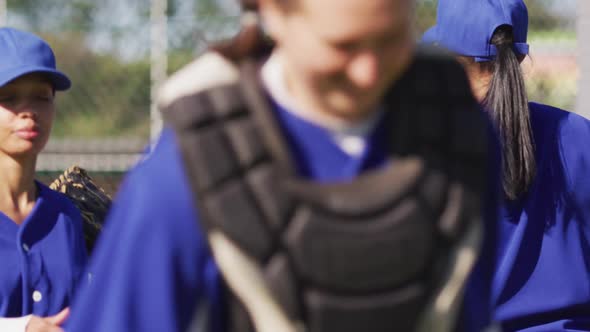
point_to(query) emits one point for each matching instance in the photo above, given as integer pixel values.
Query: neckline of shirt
(351, 139)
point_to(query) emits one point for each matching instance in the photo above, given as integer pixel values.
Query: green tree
(55, 15)
(425, 15)
(111, 78)
(109, 97)
(541, 18)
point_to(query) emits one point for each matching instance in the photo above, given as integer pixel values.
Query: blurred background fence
(117, 52)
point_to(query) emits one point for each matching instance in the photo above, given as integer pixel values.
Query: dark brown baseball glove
(92, 201)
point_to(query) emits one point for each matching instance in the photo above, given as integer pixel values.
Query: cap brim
(58, 79)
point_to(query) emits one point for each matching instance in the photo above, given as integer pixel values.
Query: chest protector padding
(364, 255)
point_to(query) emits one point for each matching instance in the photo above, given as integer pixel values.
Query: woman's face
(26, 116)
(346, 52)
(479, 74)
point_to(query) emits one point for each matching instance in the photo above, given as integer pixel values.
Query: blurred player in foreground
(334, 182)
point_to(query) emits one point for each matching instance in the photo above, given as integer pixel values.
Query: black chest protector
(367, 255)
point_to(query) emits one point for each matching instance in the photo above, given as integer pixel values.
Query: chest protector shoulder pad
(389, 251)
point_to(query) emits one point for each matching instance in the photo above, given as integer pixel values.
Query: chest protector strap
(389, 251)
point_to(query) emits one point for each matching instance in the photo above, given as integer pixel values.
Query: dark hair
(253, 4)
(248, 5)
(250, 41)
(508, 103)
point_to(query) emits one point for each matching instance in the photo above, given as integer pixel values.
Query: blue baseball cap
(23, 53)
(466, 26)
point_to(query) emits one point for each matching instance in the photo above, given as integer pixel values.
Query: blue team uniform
(42, 259)
(152, 267)
(542, 276)
(542, 282)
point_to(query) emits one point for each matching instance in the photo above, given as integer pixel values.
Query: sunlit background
(117, 52)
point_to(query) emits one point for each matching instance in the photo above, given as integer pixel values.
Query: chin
(350, 109)
(350, 104)
(25, 151)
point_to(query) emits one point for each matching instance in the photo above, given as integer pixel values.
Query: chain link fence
(106, 47)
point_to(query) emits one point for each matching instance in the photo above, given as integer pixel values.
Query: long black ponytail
(508, 103)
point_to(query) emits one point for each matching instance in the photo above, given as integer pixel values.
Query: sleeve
(150, 266)
(574, 133)
(14, 324)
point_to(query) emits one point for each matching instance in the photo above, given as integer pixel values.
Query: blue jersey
(42, 259)
(542, 282)
(152, 268)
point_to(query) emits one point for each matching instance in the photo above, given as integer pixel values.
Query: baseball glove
(92, 201)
